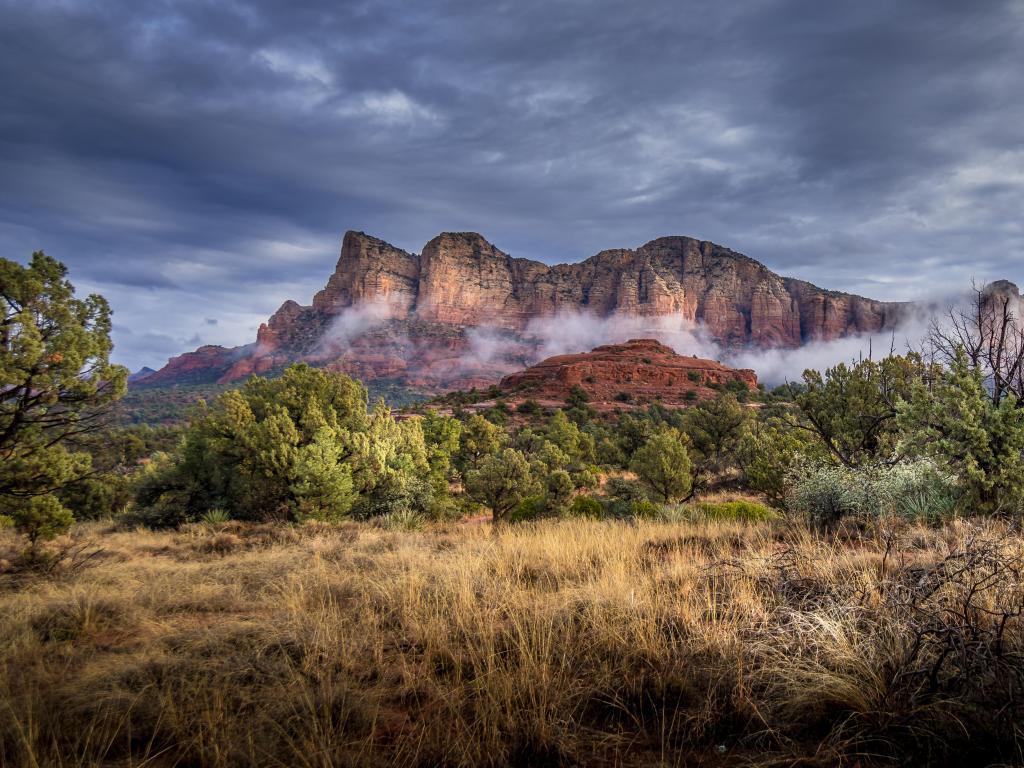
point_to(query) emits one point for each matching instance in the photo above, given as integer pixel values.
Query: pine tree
(954, 420)
(56, 387)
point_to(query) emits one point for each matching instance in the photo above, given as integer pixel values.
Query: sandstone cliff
(386, 313)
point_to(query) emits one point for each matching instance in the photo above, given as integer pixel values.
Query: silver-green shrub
(824, 494)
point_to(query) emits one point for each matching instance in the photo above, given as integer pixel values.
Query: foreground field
(550, 644)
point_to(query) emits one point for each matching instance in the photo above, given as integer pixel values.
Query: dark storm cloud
(200, 160)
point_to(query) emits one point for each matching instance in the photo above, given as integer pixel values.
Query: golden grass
(562, 643)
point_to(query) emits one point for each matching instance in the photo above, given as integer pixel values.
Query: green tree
(663, 465)
(299, 446)
(56, 388)
(577, 444)
(558, 492)
(767, 452)
(953, 419)
(632, 432)
(398, 477)
(480, 438)
(715, 428)
(852, 409)
(501, 482)
(441, 435)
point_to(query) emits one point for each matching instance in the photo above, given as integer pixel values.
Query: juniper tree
(57, 385)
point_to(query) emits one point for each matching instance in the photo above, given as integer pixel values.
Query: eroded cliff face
(387, 313)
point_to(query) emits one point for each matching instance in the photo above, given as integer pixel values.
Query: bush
(918, 490)
(644, 510)
(215, 516)
(404, 520)
(675, 513)
(621, 495)
(530, 508)
(529, 408)
(586, 506)
(745, 511)
(39, 518)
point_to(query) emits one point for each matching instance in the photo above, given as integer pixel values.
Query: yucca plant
(215, 516)
(402, 520)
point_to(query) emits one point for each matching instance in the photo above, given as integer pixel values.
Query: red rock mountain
(639, 371)
(459, 314)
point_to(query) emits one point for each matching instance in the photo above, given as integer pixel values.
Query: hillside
(463, 313)
(639, 371)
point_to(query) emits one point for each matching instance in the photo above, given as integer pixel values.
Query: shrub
(530, 508)
(39, 518)
(826, 494)
(675, 513)
(404, 520)
(745, 511)
(215, 516)
(644, 510)
(621, 495)
(663, 464)
(586, 506)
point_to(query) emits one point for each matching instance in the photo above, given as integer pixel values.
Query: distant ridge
(413, 318)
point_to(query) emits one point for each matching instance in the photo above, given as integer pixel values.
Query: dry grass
(577, 643)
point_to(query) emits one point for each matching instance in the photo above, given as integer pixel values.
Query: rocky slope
(463, 313)
(639, 371)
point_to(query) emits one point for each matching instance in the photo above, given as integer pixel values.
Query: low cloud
(573, 332)
(568, 332)
(352, 322)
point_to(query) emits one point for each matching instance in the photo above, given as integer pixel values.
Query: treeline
(927, 437)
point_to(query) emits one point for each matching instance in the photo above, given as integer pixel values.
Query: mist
(352, 322)
(574, 332)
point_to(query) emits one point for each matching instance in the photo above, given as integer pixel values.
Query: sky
(198, 161)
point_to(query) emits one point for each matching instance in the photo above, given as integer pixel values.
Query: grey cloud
(197, 160)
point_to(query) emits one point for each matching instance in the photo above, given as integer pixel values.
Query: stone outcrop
(639, 371)
(387, 313)
(206, 364)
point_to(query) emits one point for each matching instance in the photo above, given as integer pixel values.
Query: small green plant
(743, 511)
(675, 513)
(694, 376)
(402, 520)
(39, 518)
(623, 397)
(215, 516)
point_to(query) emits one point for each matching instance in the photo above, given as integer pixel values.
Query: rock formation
(417, 319)
(639, 371)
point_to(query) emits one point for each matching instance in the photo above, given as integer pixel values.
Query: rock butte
(639, 371)
(389, 314)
